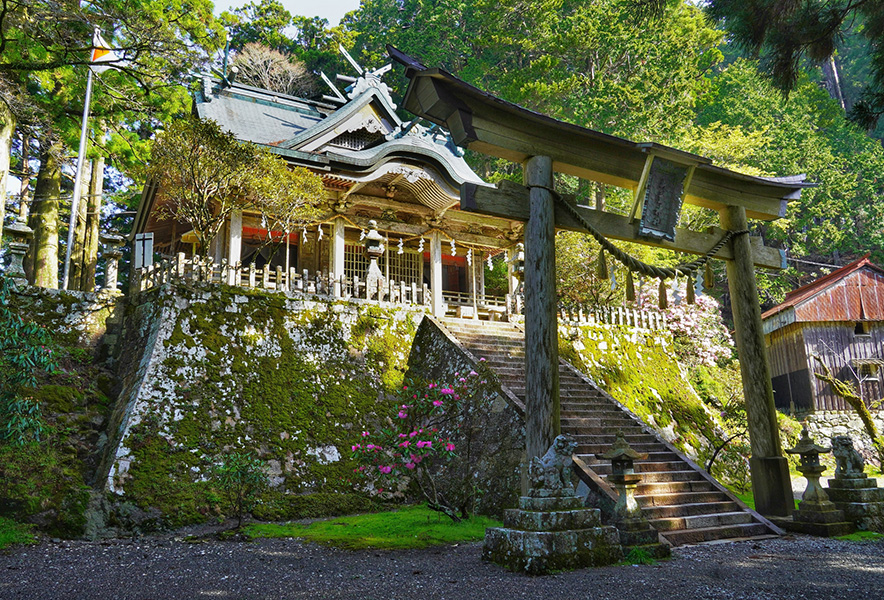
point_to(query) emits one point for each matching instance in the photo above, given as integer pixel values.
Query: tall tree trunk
(833, 82)
(93, 219)
(7, 128)
(44, 219)
(78, 254)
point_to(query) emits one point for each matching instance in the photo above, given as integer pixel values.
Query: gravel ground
(165, 568)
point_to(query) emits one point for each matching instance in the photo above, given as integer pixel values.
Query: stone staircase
(679, 499)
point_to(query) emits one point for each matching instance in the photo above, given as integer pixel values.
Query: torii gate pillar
(541, 327)
(771, 484)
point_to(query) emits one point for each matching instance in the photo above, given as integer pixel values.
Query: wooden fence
(196, 269)
(613, 315)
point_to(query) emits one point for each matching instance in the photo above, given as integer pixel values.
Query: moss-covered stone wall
(216, 370)
(46, 481)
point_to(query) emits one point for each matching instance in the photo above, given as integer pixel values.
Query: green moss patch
(407, 528)
(862, 536)
(15, 533)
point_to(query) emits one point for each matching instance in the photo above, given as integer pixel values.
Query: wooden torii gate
(543, 145)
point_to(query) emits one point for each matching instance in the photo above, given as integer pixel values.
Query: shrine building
(399, 179)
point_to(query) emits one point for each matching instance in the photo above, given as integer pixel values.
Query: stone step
(689, 509)
(667, 499)
(599, 448)
(701, 521)
(646, 488)
(710, 534)
(646, 467)
(671, 476)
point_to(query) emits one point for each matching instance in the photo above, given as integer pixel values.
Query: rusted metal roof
(854, 292)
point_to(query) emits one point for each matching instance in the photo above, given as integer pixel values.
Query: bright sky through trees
(333, 10)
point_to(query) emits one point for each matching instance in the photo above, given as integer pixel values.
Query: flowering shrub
(418, 443)
(697, 329)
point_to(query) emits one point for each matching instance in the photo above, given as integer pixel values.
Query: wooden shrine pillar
(771, 484)
(436, 273)
(541, 328)
(337, 248)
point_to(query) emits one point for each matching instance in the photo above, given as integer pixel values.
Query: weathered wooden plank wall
(839, 345)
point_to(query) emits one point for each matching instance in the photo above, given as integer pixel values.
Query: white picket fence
(613, 315)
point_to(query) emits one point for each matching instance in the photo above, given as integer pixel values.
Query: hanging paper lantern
(602, 266)
(663, 299)
(708, 277)
(692, 295)
(630, 287)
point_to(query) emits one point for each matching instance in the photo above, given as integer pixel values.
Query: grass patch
(749, 500)
(406, 528)
(14, 533)
(861, 536)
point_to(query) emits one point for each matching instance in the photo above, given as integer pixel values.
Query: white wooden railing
(613, 315)
(197, 269)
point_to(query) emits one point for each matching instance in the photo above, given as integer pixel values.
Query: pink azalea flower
(449, 446)
(356, 447)
(481, 360)
(404, 444)
(437, 403)
(446, 391)
(409, 465)
(412, 434)
(384, 469)
(364, 434)
(473, 373)
(432, 385)
(403, 415)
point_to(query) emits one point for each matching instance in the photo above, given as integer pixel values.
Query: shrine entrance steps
(679, 499)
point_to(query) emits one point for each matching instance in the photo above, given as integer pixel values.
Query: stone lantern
(624, 477)
(374, 249)
(635, 531)
(113, 243)
(816, 514)
(18, 247)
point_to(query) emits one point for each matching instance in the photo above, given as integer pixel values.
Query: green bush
(241, 478)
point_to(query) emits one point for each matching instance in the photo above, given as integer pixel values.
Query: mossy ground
(862, 536)
(407, 528)
(12, 532)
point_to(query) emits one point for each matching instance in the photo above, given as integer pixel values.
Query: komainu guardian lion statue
(550, 475)
(848, 462)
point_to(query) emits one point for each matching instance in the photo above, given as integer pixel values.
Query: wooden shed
(840, 318)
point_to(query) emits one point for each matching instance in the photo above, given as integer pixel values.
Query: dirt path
(162, 568)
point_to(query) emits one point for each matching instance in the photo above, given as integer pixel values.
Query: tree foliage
(205, 174)
(269, 69)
